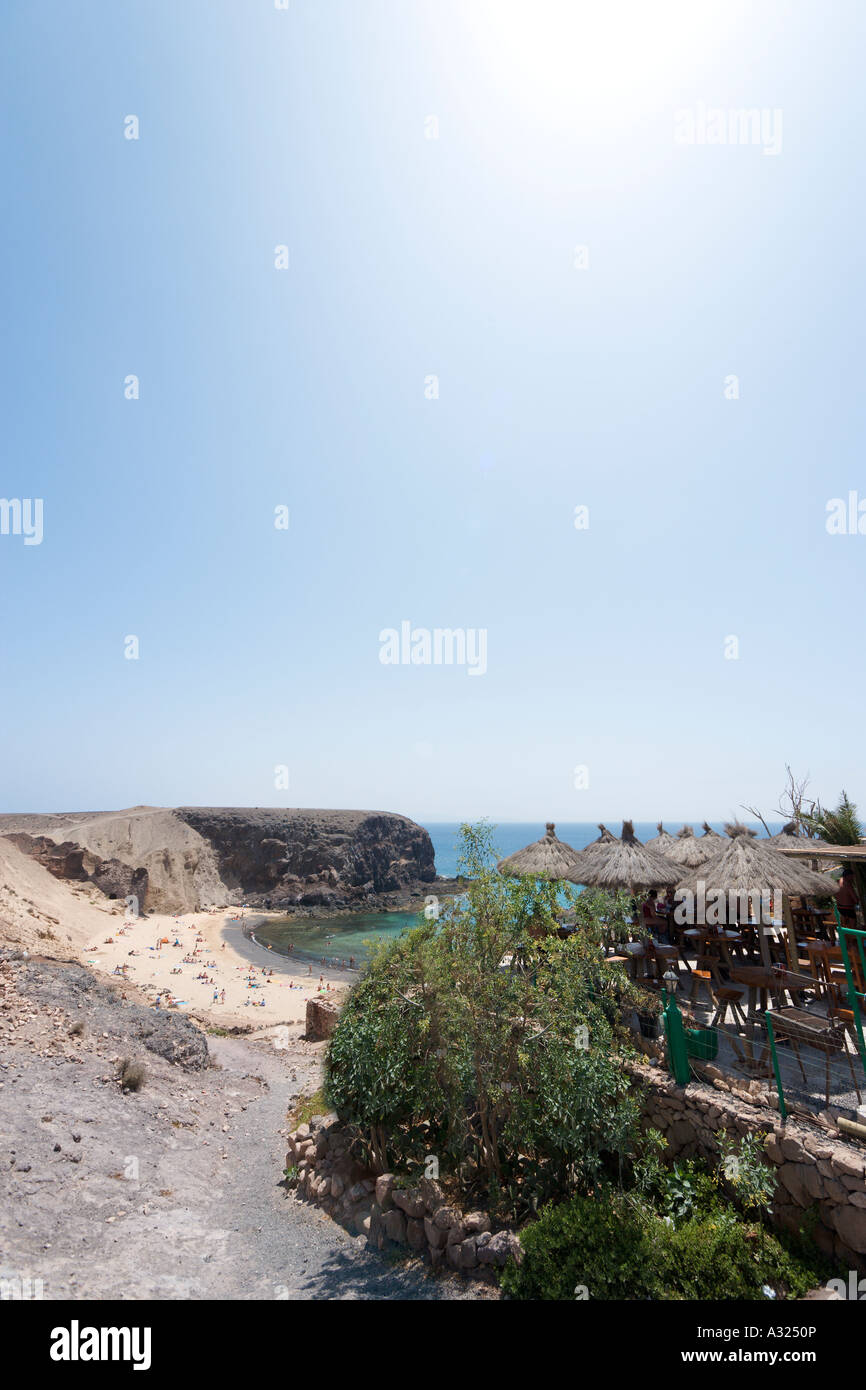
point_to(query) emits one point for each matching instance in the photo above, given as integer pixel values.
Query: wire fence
(801, 1052)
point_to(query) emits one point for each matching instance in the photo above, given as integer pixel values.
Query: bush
(132, 1075)
(485, 1040)
(615, 1249)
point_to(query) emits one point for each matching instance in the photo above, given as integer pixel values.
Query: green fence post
(853, 995)
(678, 1057)
(775, 1056)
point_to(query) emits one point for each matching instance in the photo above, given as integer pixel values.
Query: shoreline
(261, 986)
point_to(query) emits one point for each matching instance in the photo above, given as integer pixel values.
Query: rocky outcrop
(75, 864)
(314, 858)
(180, 860)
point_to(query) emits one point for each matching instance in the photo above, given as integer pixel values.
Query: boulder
(468, 1253)
(384, 1185)
(431, 1194)
(415, 1234)
(499, 1249)
(476, 1222)
(436, 1235)
(394, 1226)
(409, 1201)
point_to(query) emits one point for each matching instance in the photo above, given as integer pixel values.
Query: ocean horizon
(510, 836)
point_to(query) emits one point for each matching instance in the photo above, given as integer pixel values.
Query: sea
(344, 939)
(510, 836)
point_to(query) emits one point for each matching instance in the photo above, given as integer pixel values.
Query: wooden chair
(705, 973)
(799, 1028)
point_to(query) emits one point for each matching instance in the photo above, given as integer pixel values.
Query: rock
(850, 1223)
(436, 1235)
(431, 1194)
(476, 1222)
(415, 1234)
(499, 1249)
(384, 1184)
(394, 1226)
(468, 1253)
(446, 1217)
(802, 1181)
(338, 1185)
(456, 1233)
(452, 1254)
(793, 1151)
(409, 1201)
(847, 1164)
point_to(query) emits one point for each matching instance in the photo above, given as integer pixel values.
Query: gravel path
(173, 1191)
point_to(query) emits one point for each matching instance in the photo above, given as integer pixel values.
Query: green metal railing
(855, 936)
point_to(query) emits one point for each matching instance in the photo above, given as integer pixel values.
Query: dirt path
(172, 1191)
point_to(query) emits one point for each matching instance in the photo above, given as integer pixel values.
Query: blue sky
(558, 387)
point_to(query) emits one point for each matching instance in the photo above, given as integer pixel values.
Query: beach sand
(55, 918)
(224, 954)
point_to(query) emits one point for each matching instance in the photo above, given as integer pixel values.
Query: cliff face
(314, 858)
(177, 860)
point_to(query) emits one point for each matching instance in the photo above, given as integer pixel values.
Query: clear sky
(424, 248)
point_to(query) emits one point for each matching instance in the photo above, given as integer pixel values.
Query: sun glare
(558, 56)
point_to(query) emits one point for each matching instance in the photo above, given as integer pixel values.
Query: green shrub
(615, 1249)
(484, 1039)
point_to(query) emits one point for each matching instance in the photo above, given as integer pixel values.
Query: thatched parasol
(662, 842)
(689, 852)
(624, 863)
(746, 865)
(790, 838)
(710, 833)
(747, 868)
(545, 858)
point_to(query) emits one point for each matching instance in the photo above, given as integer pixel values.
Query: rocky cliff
(314, 858)
(177, 860)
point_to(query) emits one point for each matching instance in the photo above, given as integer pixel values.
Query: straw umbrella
(624, 863)
(710, 833)
(548, 857)
(747, 868)
(689, 852)
(662, 842)
(790, 838)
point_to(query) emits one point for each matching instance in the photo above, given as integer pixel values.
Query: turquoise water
(333, 937)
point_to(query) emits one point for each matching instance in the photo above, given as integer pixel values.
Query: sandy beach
(254, 985)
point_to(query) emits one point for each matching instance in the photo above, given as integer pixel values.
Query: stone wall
(378, 1206)
(815, 1169)
(322, 1017)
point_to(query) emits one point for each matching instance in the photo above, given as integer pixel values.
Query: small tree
(486, 1040)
